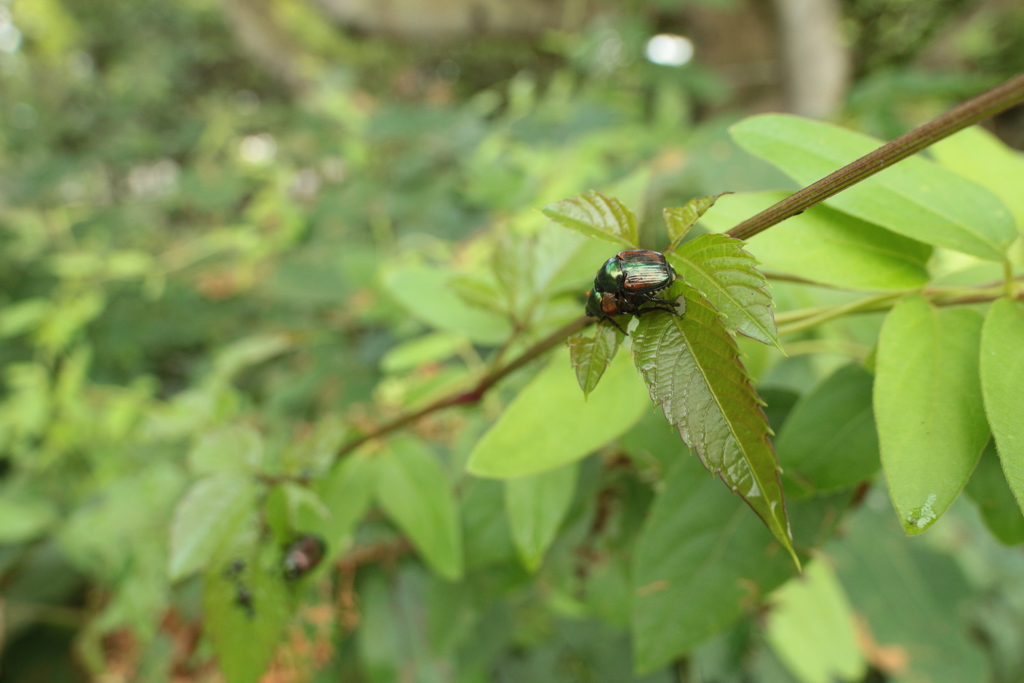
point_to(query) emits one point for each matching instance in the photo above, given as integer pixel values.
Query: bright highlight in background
(669, 50)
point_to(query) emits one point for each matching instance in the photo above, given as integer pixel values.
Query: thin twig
(987, 104)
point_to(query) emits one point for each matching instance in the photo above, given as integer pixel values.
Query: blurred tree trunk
(267, 43)
(816, 63)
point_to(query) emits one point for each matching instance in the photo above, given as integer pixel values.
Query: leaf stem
(1008, 281)
(474, 395)
(987, 104)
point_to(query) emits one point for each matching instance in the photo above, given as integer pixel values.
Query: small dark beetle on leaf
(303, 555)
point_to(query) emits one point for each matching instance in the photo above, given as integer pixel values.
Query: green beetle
(636, 273)
(606, 305)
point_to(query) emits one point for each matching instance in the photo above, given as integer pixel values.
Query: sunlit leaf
(591, 355)
(827, 246)
(727, 275)
(679, 219)
(536, 506)
(595, 215)
(23, 518)
(915, 197)
(413, 490)
(234, 447)
(550, 423)
(928, 407)
(829, 441)
(692, 367)
(1002, 377)
(812, 628)
(205, 517)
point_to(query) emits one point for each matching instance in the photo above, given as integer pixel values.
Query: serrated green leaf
(692, 367)
(702, 559)
(591, 355)
(928, 407)
(978, 155)
(536, 506)
(595, 215)
(915, 197)
(1002, 376)
(829, 441)
(727, 275)
(226, 449)
(827, 246)
(679, 220)
(987, 487)
(209, 512)
(245, 613)
(812, 628)
(413, 490)
(551, 424)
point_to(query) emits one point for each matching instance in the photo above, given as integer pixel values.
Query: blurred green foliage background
(232, 213)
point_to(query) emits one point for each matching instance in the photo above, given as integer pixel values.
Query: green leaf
(679, 220)
(987, 487)
(427, 295)
(824, 245)
(928, 407)
(347, 492)
(1002, 376)
(23, 519)
(692, 367)
(829, 441)
(727, 275)
(231, 448)
(210, 511)
(978, 155)
(595, 215)
(536, 506)
(413, 490)
(550, 423)
(246, 613)
(911, 598)
(424, 350)
(811, 628)
(702, 559)
(591, 355)
(916, 197)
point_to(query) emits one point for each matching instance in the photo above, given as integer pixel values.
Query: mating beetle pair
(628, 280)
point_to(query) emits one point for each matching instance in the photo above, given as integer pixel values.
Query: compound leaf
(591, 355)
(679, 219)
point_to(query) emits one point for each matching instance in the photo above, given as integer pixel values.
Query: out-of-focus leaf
(910, 597)
(702, 559)
(346, 491)
(928, 407)
(230, 448)
(23, 316)
(916, 197)
(413, 490)
(486, 534)
(430, 348)
(208, 513)
(246, 612)
(989, 490)
(980, 156)
(829, 440)
(23, 519)
(824, 245)
(536, 506)
(1002, 376)
(679, 220)
(550, 423)
(811, 628)
(727, 275)
(427, 295)
(692, 367)
(247, 352)
(591, 355)
(595, 215)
